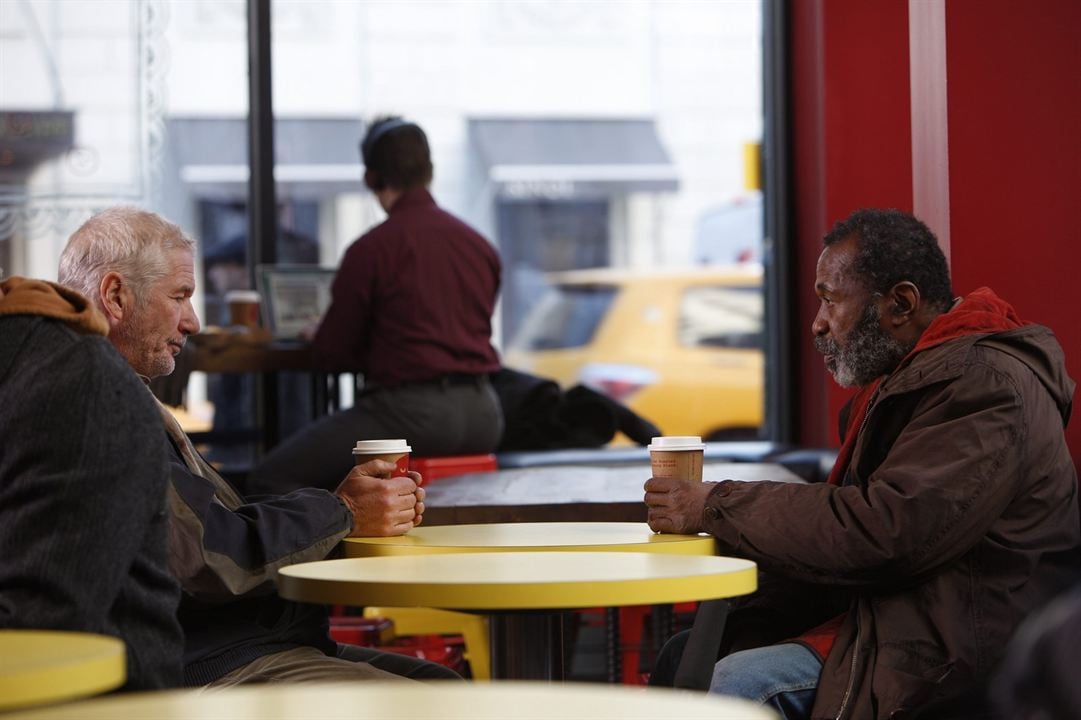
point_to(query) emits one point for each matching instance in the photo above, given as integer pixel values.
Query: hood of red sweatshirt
(979, 313)
(982, 312)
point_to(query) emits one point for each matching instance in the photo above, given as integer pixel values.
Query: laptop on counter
(294, 296)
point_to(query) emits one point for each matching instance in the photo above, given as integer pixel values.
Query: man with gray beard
(950, 514)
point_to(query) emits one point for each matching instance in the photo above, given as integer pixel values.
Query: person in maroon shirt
(411, 310)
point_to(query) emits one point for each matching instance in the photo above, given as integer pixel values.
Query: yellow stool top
(44, 666)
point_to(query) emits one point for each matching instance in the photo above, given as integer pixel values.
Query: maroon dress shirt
(412, 300)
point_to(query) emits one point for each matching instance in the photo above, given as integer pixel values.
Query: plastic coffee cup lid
(673, 443)
(379, 447)
(242, 296)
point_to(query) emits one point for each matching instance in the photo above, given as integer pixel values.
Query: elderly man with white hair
(138, 269)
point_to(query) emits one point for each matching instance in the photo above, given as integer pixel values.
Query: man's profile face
(154, 334)
(848, 328)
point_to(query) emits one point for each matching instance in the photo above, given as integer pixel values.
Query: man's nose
(189, 321)
(819, 326)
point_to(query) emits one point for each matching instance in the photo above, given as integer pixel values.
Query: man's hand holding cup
(675, 495)
(384, 496)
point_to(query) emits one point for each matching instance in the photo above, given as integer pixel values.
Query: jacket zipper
(859, 630)
(870, 406)
(852, 670)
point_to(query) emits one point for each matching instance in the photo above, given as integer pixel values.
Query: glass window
(81, 88)
(573, 134)
(97, 107)
(725, 317)
(566, 317)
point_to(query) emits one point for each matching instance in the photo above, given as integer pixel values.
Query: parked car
(682, 348)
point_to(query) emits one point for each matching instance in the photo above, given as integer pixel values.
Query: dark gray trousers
(437, 418)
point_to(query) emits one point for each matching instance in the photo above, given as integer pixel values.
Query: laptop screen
(294, 296)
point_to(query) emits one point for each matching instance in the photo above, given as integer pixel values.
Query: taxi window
(566, 317)
(722, 317)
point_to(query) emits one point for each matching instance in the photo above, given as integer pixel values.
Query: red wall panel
(1013, 73)
(1014, 93)
(853, 149)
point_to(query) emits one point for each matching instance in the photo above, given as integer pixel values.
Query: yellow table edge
(74, 677)
(295, 583)
(703, 545)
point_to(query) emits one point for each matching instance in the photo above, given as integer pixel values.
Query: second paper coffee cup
(395, 451)
(243, 307)
(677, 457)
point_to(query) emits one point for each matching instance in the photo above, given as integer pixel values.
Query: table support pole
(613, 655)
(527, 646)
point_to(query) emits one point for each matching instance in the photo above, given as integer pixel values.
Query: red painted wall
(1014, 91)
(1014, 130)
(852, 149)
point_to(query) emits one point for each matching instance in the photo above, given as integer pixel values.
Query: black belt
(457, 379)
(446, 380)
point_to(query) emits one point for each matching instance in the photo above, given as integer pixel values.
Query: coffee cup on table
(677, 457)
(395, 451)
(243, 308)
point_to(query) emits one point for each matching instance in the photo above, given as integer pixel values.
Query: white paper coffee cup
(395, 451)
(677, 457)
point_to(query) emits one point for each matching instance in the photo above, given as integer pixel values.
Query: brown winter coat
(958, 516)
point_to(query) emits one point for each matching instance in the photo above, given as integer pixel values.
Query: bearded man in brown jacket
(952, 510)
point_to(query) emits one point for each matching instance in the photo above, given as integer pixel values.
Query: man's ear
(372, 181)
(903, 302)
(116, 298)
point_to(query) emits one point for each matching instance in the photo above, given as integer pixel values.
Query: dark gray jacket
(82, 495)
(226, 551)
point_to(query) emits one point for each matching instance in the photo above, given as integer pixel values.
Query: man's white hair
(125, 240)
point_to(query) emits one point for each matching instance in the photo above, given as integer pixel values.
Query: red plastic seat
(437, 468)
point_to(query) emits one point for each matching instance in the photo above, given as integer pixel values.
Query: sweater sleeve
(219, 553)
(911, 516)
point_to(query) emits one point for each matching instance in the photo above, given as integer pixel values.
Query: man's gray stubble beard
(869, 353)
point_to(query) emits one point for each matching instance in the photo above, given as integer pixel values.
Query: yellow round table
(434, 701)
(45, 666)
(520, 537)
(522, 590)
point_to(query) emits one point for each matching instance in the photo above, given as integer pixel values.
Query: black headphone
(377, 133)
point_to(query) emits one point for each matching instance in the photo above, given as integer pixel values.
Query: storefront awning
(312, 155)
(29, 138)
(572, 157)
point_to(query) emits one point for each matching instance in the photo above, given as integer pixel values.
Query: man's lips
(177, 346)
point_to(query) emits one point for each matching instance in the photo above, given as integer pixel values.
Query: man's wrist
(710, 512)
(348, 505)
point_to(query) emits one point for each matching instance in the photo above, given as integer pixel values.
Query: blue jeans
(783, 677)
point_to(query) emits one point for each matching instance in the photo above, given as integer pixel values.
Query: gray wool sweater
(83, 476)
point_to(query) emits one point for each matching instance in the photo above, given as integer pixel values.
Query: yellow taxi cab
(682, 348)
